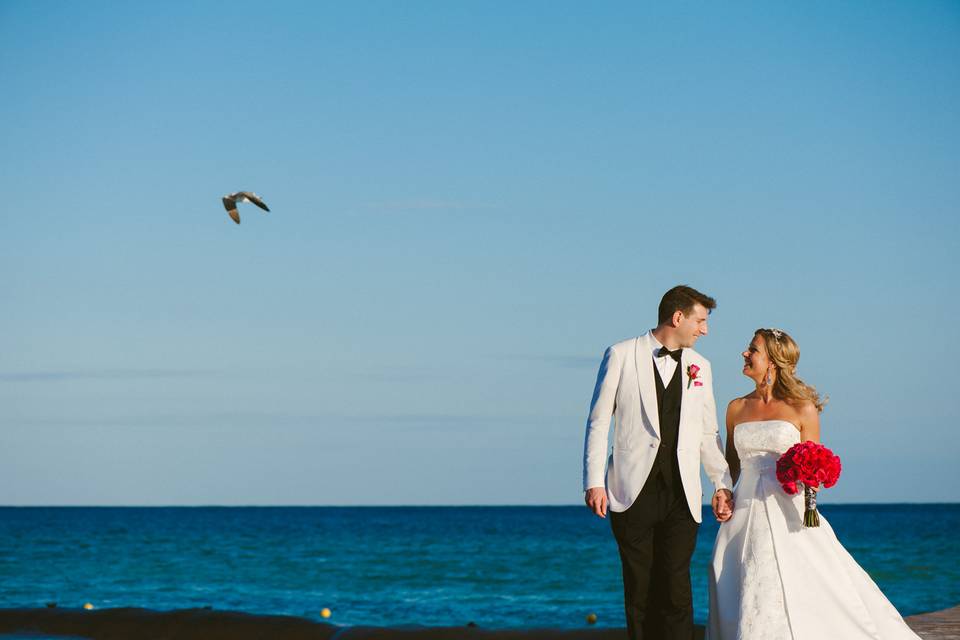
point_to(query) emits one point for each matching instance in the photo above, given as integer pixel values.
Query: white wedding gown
(771, 578)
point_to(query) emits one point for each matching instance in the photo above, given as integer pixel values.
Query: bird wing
(231, 206)
(255, 199)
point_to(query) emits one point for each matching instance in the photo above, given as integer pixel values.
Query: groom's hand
(722, 504)
(596, 499)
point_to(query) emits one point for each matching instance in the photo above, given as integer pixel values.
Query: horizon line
(390, 506)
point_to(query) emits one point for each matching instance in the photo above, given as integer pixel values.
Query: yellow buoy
(88, 606)
(324, 613)
(591, 618)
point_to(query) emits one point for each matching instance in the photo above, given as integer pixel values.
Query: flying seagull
(230, 203)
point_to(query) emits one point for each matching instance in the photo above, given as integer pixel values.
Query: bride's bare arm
(733, 460)
(809, 423)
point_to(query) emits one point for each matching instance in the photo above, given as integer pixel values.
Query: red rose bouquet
(808, 464)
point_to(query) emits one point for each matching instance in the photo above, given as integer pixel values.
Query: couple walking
(770, 578)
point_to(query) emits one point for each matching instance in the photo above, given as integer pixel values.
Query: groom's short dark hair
(682, 298)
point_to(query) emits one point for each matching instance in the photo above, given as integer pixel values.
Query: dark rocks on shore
(206, 624)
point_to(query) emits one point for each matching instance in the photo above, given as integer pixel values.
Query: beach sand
(204, 624)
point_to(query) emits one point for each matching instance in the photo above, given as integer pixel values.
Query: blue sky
(469, 201)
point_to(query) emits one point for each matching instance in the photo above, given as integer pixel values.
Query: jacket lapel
(685, 393)
(648, 391)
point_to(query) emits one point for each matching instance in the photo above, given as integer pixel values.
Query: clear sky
(469, 202)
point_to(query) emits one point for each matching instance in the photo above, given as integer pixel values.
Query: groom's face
(692, 325)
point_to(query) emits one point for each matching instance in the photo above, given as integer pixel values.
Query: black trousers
(656, 537)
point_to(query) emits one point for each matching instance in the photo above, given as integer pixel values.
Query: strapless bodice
(760, 443)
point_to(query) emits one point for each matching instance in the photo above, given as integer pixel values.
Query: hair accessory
(777, 333)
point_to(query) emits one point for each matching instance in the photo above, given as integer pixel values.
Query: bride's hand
(722, 504)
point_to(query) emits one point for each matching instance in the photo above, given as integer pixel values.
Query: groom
(660, 394)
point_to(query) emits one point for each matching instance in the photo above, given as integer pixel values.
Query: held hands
(722, 504)
(596, 499)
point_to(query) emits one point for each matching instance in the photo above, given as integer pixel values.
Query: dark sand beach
(203, 624)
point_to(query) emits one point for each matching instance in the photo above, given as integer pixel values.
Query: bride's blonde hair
(784, 353)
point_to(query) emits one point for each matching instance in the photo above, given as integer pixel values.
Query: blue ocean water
(496, 566)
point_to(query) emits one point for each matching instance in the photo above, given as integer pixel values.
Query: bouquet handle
(810, 516)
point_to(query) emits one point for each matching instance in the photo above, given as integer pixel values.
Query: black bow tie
(666, 352)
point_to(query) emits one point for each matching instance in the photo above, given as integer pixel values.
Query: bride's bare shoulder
(807, 411)
(739, 403)
(736, 407)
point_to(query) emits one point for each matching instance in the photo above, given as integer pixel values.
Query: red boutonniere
(693, 376)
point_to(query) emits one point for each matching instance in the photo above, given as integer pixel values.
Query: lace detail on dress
(763, 613)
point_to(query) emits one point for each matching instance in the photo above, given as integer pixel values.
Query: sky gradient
(469, 202)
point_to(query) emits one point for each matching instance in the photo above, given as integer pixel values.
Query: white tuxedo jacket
(627, 391)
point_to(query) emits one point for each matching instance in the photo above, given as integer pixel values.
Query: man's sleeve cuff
(599, 484)
(724, 483)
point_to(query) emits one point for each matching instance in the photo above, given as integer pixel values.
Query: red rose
(692, 372)
(807, 463)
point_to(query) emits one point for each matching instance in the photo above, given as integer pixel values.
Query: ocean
(498, 567)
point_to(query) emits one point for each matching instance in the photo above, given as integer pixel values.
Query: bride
(770, 577)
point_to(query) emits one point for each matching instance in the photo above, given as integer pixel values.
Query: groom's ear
(677, 318)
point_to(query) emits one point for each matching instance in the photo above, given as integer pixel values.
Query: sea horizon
(506, 566)
(400, 506)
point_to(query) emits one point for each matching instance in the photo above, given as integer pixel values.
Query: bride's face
(755, 360)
